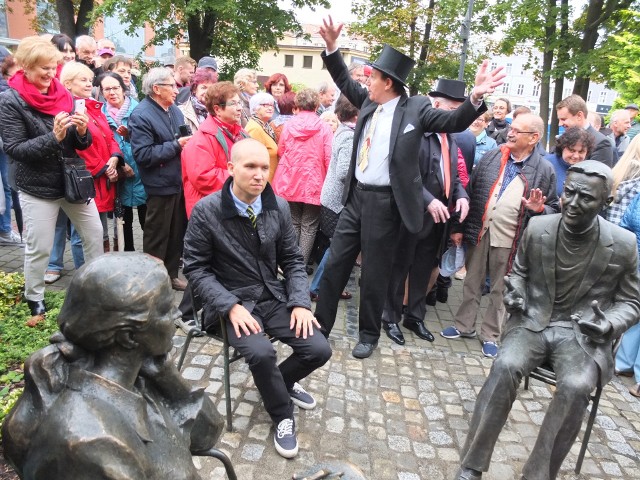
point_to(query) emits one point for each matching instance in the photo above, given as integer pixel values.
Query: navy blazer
(412, 118)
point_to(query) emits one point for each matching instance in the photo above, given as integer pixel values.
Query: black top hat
(393, 63)
(451, 89)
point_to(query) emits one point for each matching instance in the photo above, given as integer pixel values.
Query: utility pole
(465, 30)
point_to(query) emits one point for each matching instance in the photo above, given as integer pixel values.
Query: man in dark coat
(383, 186)
(572, 291)
(236, 239)
(416, 253)
(573, 112)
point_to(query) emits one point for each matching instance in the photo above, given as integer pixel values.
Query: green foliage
(423, 30)
(19, 341)
(234, 31)
(623, 56)
(11, 287)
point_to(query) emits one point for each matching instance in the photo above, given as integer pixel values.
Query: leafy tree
(426, 32)
(73, 16)
(236, 31)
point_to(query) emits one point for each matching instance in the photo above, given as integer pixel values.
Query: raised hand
(535, 202)
(330, 32)
(487, 81)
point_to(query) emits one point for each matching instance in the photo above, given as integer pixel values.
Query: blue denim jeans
(56, 259)
(315, 283)
(5, 218)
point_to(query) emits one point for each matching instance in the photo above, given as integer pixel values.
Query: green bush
(19, 341)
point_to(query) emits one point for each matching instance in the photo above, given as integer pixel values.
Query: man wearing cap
(416, 253)
(633, 110)
(383, 186)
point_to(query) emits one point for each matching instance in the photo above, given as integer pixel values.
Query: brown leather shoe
(105, 246)
(635, 390)
(178, 284)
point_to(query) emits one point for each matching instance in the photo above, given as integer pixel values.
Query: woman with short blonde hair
(246, 80)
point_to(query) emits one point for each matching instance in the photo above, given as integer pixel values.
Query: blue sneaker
(285, 439)
(452, 332)
(302, 398)
(490, 349)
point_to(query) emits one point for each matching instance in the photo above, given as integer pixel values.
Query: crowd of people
(353, 172)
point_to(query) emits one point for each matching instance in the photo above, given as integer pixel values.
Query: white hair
(155, 76)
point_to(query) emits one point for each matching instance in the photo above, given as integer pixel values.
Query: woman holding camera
(39, 128)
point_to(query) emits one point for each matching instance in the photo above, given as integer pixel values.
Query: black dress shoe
(431, 298)
(37, 307)
(419, 329)
(364, 350)
(393, 332)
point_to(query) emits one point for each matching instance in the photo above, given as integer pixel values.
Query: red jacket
(305, 152)
(204, 159)
(102, 148)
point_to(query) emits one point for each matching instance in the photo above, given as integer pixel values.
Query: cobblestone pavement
(401, 414)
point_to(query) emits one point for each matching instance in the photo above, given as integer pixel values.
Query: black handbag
(78, 182)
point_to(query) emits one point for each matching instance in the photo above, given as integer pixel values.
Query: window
(494, 65)
(520, 90)
(505, 88)
(589, 95)
(536, 90)
(288, 60)
(130, 44)
(603, 97)
(4, 31)
(508, 69)
(47, 17)
(307, 61)
(566, 93)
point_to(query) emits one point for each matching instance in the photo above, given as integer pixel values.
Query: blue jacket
(561, 167)
(153, 134)
(631, 219)
(131, 192)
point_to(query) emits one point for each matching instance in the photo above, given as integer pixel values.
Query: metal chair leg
(192, 333)
(215, 453)
(587, 433)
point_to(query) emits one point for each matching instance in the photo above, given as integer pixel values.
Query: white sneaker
(10, 238)
(300, 397)
(51, 276)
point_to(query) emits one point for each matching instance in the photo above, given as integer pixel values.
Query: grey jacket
(228, 262)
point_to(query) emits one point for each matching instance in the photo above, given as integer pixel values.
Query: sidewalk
(401, 414)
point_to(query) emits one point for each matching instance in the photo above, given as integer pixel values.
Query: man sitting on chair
(235, 242)
(572, 291)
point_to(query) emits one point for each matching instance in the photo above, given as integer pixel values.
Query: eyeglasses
(172, 85)
(230, 104)
(267, 105)
(111, 89)
(515, 131)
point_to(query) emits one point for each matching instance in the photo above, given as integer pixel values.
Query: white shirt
(377, 171)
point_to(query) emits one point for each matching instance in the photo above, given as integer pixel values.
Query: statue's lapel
(549, 238)
(599, 262)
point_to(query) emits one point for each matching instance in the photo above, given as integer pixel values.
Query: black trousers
(274, 381)
(415, 258)
(127, 217)
(164, 229)
(370, 223)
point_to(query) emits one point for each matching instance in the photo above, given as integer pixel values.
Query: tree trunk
(201, 30)
(66, 17)
(83, 24)
(589, 39)
(561, 64)
(547, 63)
(424, 47)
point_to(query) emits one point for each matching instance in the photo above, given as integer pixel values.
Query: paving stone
(193, 373)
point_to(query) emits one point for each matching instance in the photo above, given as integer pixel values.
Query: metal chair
(215, 453)
(222, 337)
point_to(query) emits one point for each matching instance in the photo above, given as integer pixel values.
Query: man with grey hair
(86, 49)
(327, 92)
(509, 185)
(157, 142)
(572, 291)
(356, 71)
(620, 123)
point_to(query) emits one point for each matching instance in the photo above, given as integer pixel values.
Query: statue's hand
(153, 367)
(597, 327)
(513, 300)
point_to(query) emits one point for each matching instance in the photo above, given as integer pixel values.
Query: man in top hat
(383, 187)
(417, 253)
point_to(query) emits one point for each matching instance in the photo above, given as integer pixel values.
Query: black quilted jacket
(29, 142)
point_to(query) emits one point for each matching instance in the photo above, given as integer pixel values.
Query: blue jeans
(56, 259)
(5, 218)
(315, 283)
